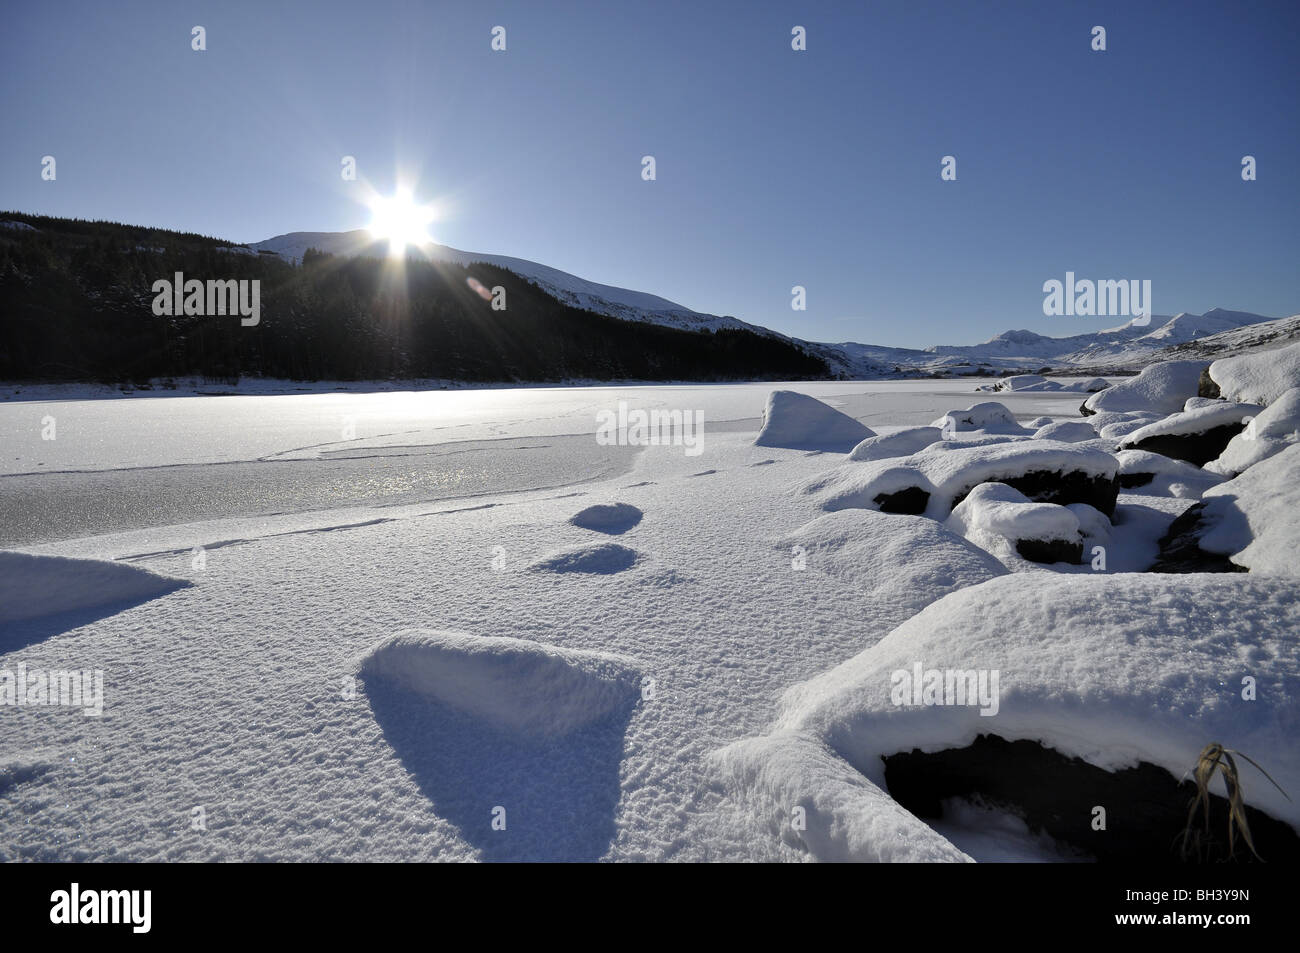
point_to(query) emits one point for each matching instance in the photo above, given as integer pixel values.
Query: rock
(1161, 388)
(798, 422)
(1198, 435)
(1260, 377)
(1180, 549)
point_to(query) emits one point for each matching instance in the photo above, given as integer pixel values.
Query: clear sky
(775, 168)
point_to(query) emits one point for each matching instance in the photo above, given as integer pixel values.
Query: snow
(1170, 477)
(946, 470)
(35, 586)
(1254, 519)
(900, 443)
(1125, 425)
(369, 679)
(994, 516)
(1272, 431)
(1258, 378)
(1160, 388)
(535, 690)
(987, 417)
(1018, 381)
(799, 422)
(1113, 669)
(603, 558)
(1195, 421)
(1067, 431)
(905, 561)
(611, 518)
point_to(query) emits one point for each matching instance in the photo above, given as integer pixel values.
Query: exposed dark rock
(1146, 806)
(1198, 448)
(1052, 486)
(1050, 550)
(1180, 549)
(1206, 387)
(911, 501)
(1083, 409)
(1128, 481)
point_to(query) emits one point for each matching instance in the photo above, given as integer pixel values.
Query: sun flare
(401, 221)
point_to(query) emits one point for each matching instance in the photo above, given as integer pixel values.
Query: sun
(401, 221)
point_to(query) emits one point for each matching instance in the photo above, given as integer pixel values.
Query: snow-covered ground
(594, 651)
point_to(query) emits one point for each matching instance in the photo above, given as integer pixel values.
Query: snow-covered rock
(898, 444)
(1197, 435)
(987, 417)
(1258, 378)
(34, 586)
(1145, 472)
(906, 561)
(1272, 431)
(1019, 381)
(1254, 519)
(933, 481)
(1161, 388)
(798, 422)
(1004, 521)
(1067, 431)
(524, 687)
(1112, 669)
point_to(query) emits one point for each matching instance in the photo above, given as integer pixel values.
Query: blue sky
(775, 168)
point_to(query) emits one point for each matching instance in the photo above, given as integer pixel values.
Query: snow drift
(1114, 669)
(35, 586)
(798, 422)
(523, 687)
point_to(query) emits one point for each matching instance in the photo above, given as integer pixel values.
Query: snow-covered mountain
(1127, 346)
(570, 289)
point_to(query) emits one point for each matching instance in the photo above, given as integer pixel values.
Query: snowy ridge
(1129, 345)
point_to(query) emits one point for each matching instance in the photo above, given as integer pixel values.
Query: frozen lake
(138, 462)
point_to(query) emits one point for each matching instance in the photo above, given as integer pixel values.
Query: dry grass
(1215, 757)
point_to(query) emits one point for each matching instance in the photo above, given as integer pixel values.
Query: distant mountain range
(1127, 347)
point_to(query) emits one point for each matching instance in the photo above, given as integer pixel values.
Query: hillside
(77, 303)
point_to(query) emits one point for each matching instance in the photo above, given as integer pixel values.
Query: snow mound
(986, 417)
(536, 690)
(1121, 425)
(1067, 431)
(1258, 378)
(1141, 471)
(908, 561)
(1161, 388)
(602, 558)
(36, 586)
(611, 518)
(1112, 669)
(933, 481)
(899, 444)
(1005, 522)
(1198, 435)
(1254, 519)
(1019, 381)
(796, 421)
(1197, 420)
(1271, 432)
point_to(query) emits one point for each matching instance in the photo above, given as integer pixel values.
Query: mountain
(1128, 346)
(78, 301)
(564, 287)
